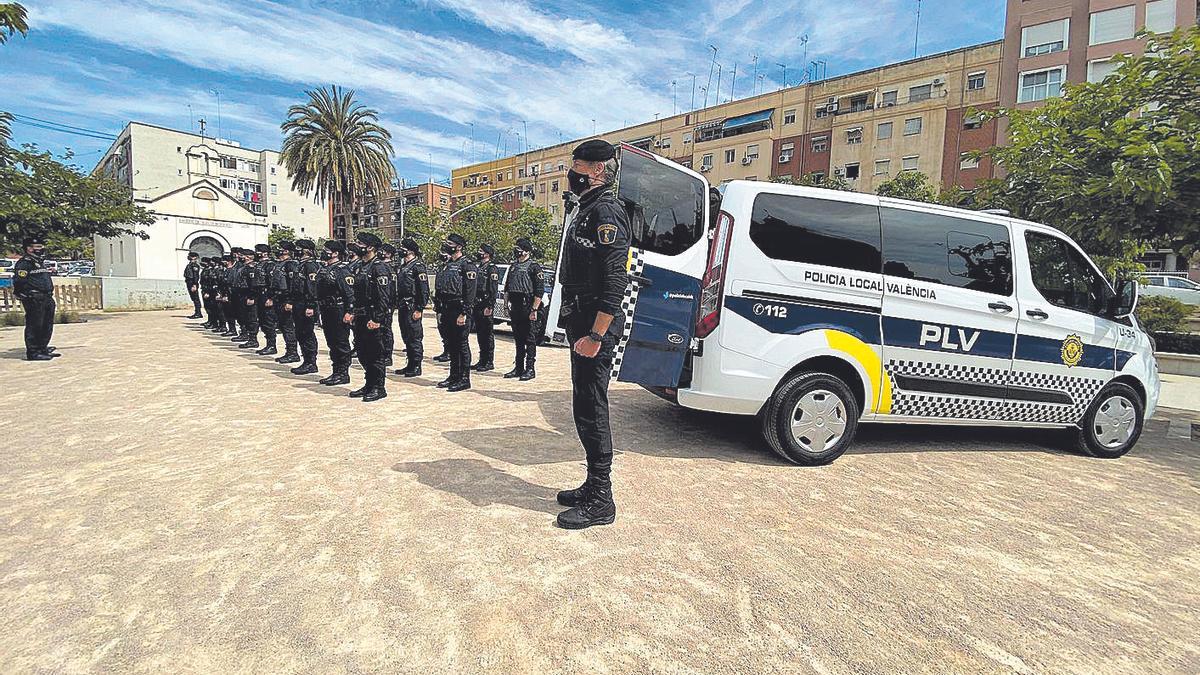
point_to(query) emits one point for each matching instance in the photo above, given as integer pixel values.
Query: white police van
(816, 310)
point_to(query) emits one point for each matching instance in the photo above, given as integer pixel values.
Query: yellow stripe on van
(880, 383)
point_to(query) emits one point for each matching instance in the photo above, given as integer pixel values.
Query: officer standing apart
(523, 286)
(372, 307)
(594, 278)
(303, 294)
(191, 277)
(412, 294)
(455, 288)
(487, 285)
(335, 290)
(283, 278)
(34, 288)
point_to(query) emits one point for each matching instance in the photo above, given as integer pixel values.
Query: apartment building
(1051, 42)
(385, 211)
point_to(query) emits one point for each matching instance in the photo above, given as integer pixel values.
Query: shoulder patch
(22, 273)
(423, 276)
(470, 275)
(312, 276)
(383, 281)
(350, 280)
(607, 234)
(495, 276)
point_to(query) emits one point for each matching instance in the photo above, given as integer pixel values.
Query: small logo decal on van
(675, 338)
(1072, 351)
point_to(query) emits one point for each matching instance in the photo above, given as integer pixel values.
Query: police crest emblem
(607, 234)
(1072, 351)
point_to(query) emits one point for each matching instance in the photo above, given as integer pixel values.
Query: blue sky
(454, 80)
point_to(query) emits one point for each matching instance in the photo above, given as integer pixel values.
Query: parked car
(6, 267)
(1180, 288)
(500, 313)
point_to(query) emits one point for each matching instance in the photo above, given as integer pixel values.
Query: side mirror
(1125, 302)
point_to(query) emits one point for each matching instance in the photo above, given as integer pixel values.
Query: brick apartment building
(384, 211)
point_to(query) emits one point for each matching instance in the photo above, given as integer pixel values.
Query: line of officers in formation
(355, 290)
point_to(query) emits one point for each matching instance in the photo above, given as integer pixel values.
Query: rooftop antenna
(220, 131)
(917, 32)
(191, 117)
(784, 66)
(804, 44)
(692, 105)
(718, 92)
(673, 109)
(733, 82)
(754, 77)
(711, 66)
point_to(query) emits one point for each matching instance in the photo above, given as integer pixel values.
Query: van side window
(817, 231)
(945, 250)
(665, 205)
(1063, 276)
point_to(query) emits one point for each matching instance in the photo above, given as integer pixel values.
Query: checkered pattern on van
(637, 265)
(1082, 391)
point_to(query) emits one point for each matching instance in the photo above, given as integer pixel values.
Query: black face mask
(38, 253)
(578, 183)
(448, 249)
(326, 255)
(445, 256)
(516, 253)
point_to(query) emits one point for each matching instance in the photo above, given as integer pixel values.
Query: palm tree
(5, 128)
(12, 20)
(336, 148)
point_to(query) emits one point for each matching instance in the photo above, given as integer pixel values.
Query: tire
(831, 407)
(1113, 423)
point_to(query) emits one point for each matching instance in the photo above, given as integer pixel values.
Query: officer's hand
(308, 312)
(487, 311)
(193, 289)
(533, 315)
(587, 347)
(371, 325)
(348, 318)
(269, 302)
(462, 320)
(416, 316)
(287, 307)
(249, 301)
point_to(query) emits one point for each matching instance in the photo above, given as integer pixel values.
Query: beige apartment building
(155, 161)
(385, 211)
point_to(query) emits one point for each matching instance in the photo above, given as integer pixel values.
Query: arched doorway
(207, 247)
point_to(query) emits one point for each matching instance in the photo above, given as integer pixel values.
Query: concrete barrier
(1178, 364)
(125, 293)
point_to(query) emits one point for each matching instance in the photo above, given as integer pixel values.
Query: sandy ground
(168, 503)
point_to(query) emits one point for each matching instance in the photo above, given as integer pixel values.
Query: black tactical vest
(519, 278)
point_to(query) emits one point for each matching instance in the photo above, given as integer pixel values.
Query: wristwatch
(595, 337)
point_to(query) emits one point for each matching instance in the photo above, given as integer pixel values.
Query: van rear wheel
(1113, 423)
(811, 419)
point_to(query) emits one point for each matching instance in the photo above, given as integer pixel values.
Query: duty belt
(577, 303)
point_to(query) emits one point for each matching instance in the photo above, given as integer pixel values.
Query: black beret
(457, 240)
(388, 249)
(335, 246)
(594, 150)
(488, 249)
(524, 244)
(193, 254)
(411, 244)
(30, 241)
(262, 248)
(228, 257)
(288, 245)
(368, 239)
(306, 244)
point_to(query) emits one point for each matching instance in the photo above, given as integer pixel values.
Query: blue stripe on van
(1047, 350)
(798, 318)
(907, 333)
(1123, 358)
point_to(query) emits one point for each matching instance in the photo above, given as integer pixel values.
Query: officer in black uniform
(303, 294)
(386, 254)
(250, 284)
(412, 294)
(455, 288)
(268, 310)
(191, 277)
(34, 288)
(487, 286)
(594, 277)
(523, 286)
(372, 308)
(224, 281)
(205, 296)
(283, 276)
(239, 296)
(335, 290)
(444, 357)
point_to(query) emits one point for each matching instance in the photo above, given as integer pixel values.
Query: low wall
(70, 293)
(126, 293)
(1178, 364)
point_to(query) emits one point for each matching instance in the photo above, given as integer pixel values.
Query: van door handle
(1000, 307)
(1037, 314)
(642, 281)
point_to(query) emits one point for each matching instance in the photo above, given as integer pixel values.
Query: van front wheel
(811, 419)
(1113, 423)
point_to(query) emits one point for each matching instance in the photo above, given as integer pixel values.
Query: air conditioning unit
(888, 104)
(746, 161)
(839, 171)
(938, 82)
(831, 108)
(705, 169)
(784, 159)
(832, 101)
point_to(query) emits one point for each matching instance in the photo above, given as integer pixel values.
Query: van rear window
(817, 231)
(665, 205)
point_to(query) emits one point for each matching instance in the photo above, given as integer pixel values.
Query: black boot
(528, 374)
(463, 384)
(358, 393)
(374, 394)
(442, 358)
(413, 370)
(515, 372)
(289, 356)
(251, 344)
(597, 509)
(445, 383)
(577, 496)
(305, 369)
(269, 350)
(336, 377)
(38, 356)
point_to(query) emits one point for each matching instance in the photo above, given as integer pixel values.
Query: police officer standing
(242, 298)
(594, 278)
(303, 295)
(34, 288)
(523, 286)
(488, 284)
(191, 277)
(268, 317)
(444, 357)
(412, 294)
(385, 254)
(335, 292)
(283, 277)
(455, 288)
(224, 280)
(372, 308)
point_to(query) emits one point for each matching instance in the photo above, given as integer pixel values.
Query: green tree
(280, 234)
(63, 246)
(815, 179)
(40, 194)
(1115, 164)
(336, 149)
(12, 21)
(912, 185)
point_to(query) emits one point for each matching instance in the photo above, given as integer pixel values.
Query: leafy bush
(16, 318)
(1159, 314)
(1177, 343)
(69, 316)
(12, 319)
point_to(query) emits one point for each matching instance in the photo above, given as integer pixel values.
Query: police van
(816, 310)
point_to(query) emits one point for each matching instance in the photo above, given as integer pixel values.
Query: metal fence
(70, 293)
